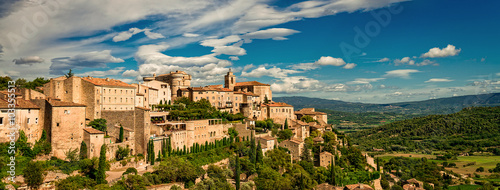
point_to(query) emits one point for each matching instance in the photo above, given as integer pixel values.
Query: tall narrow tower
(230, 80)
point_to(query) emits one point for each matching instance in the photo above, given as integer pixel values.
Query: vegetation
(122, 153)
(99, 124)
(472, 129)
(185, 109)
(23, 83)
(83, 151)
(34, 174)
(101, 171)
(120, 137)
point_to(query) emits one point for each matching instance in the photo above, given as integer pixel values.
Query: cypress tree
(120, 138)
(237, 173)
(260, 155)
(332, 173)
(159, 155)
(184, 153)
(101, 171)
(206, 145)
(83, 150)
(152, 156)
(286, 123)
(251, 155)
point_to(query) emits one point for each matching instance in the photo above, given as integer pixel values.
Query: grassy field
(488, 162)
(464, 187)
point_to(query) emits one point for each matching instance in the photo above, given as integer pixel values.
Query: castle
(68, 104)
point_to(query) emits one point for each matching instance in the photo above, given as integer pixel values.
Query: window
(57, 124)
(66, 112)
(36, 120)
(29, 110)
(121, 91)
(1, 120)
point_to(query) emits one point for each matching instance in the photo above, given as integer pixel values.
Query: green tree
(259, 156)
(286, 124)
(285, 134)
(251, 153)
(99, 124)
(83, 150)
(101, 171)
(266, 100)
(23, 146)
(72, 155)
(69, 74)
(332, 174)
(120, 138)
(122, 153)
(75, 182)
(237, 173)
(34, 174)
(307, 119)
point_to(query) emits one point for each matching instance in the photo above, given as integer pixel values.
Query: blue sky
(426, 49)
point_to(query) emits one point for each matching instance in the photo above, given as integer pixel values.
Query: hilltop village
(70, 112)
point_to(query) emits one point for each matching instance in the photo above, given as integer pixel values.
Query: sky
(370, 51)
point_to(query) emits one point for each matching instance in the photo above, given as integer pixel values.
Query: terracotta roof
(139, 94)
(318, 139)
(224, 90)
(300, 122)
(268, 138)
(216, 86)
(59, 103)
(93, 131)
(250, 94)
(309, 111)
(295, 141)
(142, 108)
(183, 89)
(20, 104)
(107, 82)
(278, 104)
(250, 83)
(239, 92)
(358, 187)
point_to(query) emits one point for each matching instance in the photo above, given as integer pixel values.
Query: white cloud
(229, 50)
(30, 60)
(404, 60)
(272, 72)
(130, 73)
(151, 54)
(111, 72)
(190, 35)
(427, 62)
(221, 42)
(327, 60)
(296, 84)
(152, 35)
(365, 80)
(450, 50)
(304, 66)
(234, 58)
(438, 80)
(385, 59)
(92, 59)
(402, 73)
(122, 36)
(247, 67)
(272, 33)
(349, 66)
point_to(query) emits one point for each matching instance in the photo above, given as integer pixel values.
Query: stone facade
(319, 116)
(277, 111)
(267, 143)
(177, 80)
(325, 159)
(29, 119)
(295, 147)
(94, 139)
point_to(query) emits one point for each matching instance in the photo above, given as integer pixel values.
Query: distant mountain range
(426, 107)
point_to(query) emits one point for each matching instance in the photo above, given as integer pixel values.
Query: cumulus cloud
(349, 66)
(404, 60)
(111, 72)
(130, 73)
(92, 59)
(449, 50)
(151, 54)
(272, 33)
(296, 84)
(327, 60)
(273, 72)
(190, 35)
(427, 62)
(385, 59)
(122, 36)
(234, 58)
(304, 66)
(401, 73)
(438, 80)
(30, 60)
(365, 80)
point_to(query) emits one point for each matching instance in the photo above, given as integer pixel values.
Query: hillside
(426, 107)
(467, 130)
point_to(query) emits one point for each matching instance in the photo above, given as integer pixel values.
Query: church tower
(230, 80)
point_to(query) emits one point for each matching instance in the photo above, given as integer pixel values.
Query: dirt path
(371, 161)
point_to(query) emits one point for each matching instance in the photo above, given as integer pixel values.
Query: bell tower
(229, 80)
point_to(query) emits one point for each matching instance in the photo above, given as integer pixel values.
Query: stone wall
(67, 125)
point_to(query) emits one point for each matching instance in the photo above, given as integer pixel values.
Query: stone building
(96, 94)
(164, 94)
(319, 116)
(278, 111)
(325, 159)
(295, 147)
(267, 143)
(28, 118)
(177, 80)
(64, 123)
(300, 129)
(94, 139)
